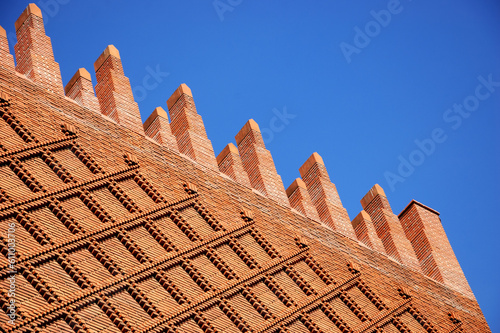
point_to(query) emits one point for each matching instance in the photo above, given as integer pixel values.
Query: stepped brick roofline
(149, 167)
(157, 112)
(293, 186)
(374, 191)
(250, 125)
(415, 202)
(3, 33)
(110, 50)
(183, 89)
(360, 217)
(80, 73)
(32, 9)
(314, 158)
(230, 148)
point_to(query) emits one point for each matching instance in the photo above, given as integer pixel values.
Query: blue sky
(396, 104)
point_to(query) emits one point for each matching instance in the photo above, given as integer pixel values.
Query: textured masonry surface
(125, 227)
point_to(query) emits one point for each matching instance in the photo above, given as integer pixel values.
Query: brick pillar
(114, 92)
(229, 162)
(259, 164)
(80, 89)
(388, 228)
(300, 200)
(187, 126)
(423, 228)
(365, 231)
(157, 127)
(6, 59)
(33, 49)
(324, 196)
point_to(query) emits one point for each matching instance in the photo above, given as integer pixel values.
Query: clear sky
(405, 93)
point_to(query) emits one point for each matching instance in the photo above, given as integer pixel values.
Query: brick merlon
(80, 73)
(3, 33)
(158, 112)
(374, 191)
(313, 159)
(111, 50)
(230, 148)
(250, 125)
(415, 202)
(182, 89)
(293, 186)
(32, 9)
(363, 215)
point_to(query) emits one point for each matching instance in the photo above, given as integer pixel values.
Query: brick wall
(116, 231)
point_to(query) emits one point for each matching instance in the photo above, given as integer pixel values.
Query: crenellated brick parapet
(388, 228)
(188, 128)
(324, 196)
(114, 92)
(121, 228)
(81, 90)
(423, 228)
(33, 49)
(230, 164)
(366, 233)
(157, 128)
(300, 200)
(6, 59)
(259, 164)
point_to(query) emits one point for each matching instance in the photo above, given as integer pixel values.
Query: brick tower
(109, 224)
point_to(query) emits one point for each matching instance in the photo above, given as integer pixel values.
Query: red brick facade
(119, 228)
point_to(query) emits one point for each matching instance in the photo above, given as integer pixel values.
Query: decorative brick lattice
(116, 233)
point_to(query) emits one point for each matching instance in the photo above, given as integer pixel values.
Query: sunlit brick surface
(118, 232)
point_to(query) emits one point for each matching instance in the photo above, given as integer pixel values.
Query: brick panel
(110, 203)
(42, 173)
(269, 298)
(96, 320)
(58, 326)
(157, 294)
(325, 324)
(50, 224)
(130, 309)
(74, 165)
(58, 279)
(173, 232)
(119, 253)
(182, 280)
(12, 185)
(197, 222)
(136, 193)
(190, 326)
(8, 137)
(146, 242)
(220, 321)
(209, 271)
(89, 266)
(81, 213)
